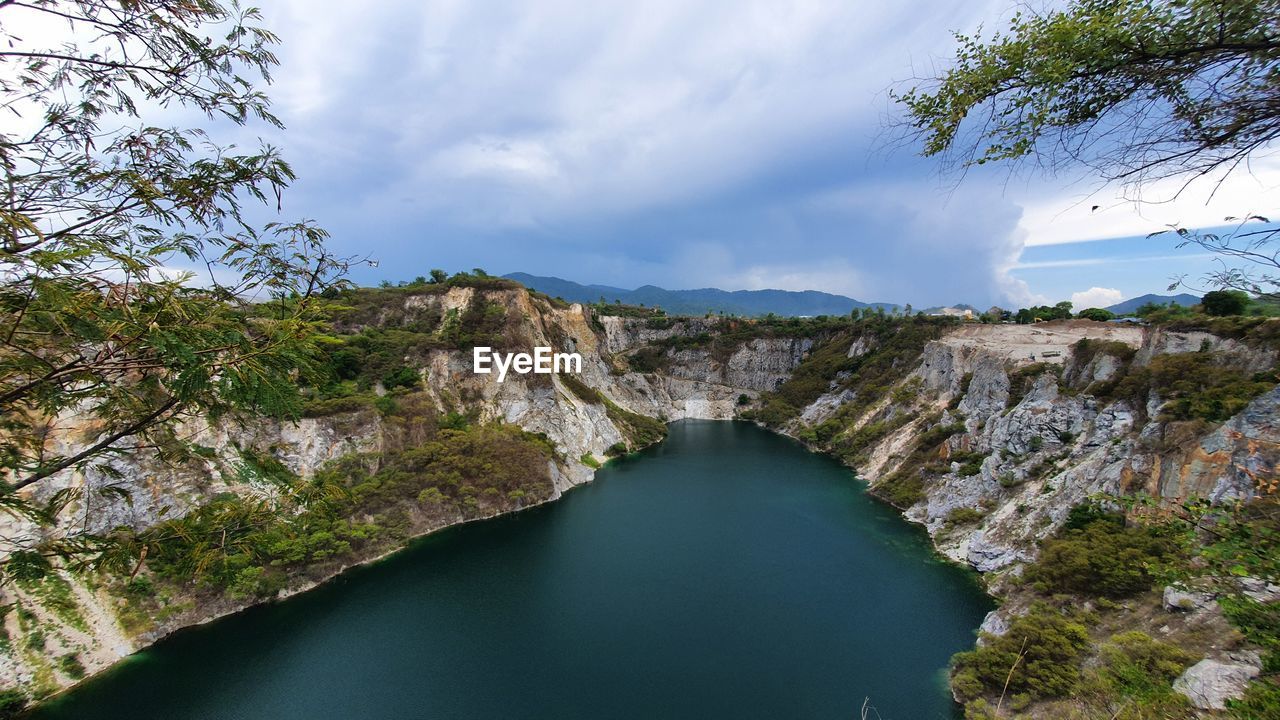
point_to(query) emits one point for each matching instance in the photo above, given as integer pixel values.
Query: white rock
(994, 624)
(1210, 683)
(1260, 590)
(1178, 599)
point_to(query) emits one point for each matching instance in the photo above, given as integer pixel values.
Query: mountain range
(1132, 304)
(702, 300)
(787, 303)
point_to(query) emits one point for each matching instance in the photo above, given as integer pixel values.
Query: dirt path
(1042, 342)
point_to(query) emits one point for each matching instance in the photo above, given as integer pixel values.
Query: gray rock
(994, 624)
(1179, 599)
(986, 556)
(1210, 683)
(1259, 589)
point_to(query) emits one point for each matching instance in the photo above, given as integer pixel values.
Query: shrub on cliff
(1103, 557)
(1194, 385)
(1038, 656)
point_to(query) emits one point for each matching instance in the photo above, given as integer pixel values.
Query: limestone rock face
(1021, 462)
(1056, 446)
(1210, 683)
(140, 491)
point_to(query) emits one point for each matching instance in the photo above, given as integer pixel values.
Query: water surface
(725, 573)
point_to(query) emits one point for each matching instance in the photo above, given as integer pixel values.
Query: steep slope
(990, 436)
(995, 435)
(413, 442)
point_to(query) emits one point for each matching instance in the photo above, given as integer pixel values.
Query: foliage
(1022, 380)
(1137, 90)
(1085, 350)
(1096, 314)
(894, 343)
(71, 666)
(1225, 302)
(1197, 385)
(964, 516)
(1234, 540)
(106, 218)
(904, 487)
(12, 702)
(1039, 656)
(1128, 87)
(640, 430)
(250, 547)
(1031, 315)
(1260, 623)
(402, 376)
(1102, 558)
(1137, 666)
(1132, 679)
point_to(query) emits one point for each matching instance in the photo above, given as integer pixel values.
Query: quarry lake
(724, 573)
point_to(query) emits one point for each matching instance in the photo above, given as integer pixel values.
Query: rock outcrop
(1022, 441)
(1209, 684)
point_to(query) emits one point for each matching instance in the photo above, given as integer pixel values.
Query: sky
(740, 145)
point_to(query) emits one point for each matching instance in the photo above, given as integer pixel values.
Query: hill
(1128, 306)
(701, 301)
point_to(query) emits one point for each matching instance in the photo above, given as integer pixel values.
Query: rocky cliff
(987, 435)
(999, 431)
(72, 624)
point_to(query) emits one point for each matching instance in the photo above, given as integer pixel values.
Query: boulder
(1210, 683)
(1181, 599)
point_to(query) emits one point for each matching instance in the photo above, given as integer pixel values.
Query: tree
(1225, 302)
(438, 276)
(137, 292)
(1096, 314)
(1135, 90)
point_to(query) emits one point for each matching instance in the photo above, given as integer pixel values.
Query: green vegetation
(964, 516)
(102, 203)
(12, 702)
(1039, 656)
(1085, 350)
(354, 507)
(1096, 314)
(1225, 302)
(54, 593)
(1028, 316)
(641, 430)
(894, 343)
(904, 487)
(727, 334)
(1198, 385)
(71, 666)
(1053, 85)
(1024, 378)
(1098, 555)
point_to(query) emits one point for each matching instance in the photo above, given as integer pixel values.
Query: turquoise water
(725, 573)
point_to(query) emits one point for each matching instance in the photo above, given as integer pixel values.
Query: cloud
(1100, 214)
(1095, 297)
(673, 143)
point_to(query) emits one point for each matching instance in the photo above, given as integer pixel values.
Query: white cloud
(1107, 213)
(1095, 297)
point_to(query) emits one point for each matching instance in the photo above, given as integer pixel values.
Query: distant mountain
(702, 301)
(1128, 306)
